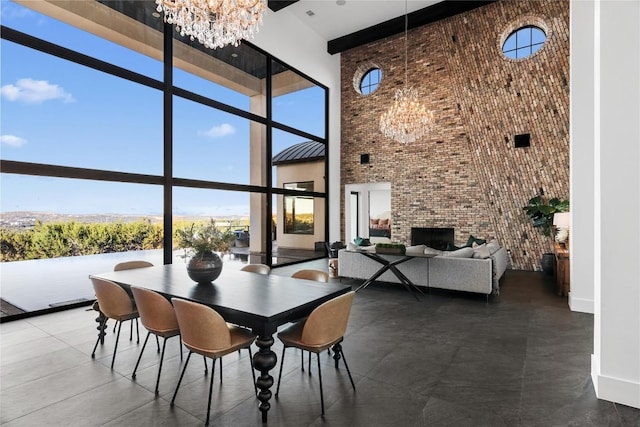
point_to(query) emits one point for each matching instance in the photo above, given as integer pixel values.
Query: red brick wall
(467, 174)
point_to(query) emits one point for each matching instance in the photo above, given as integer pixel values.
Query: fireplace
(436, 238)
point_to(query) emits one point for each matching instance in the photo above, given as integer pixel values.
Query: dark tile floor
(522, 359)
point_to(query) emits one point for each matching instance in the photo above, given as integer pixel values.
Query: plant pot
(204, 268)
(548, 263)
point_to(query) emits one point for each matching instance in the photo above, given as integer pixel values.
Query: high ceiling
(349, 23)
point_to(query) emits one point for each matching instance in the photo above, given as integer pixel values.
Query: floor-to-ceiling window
(104, 122)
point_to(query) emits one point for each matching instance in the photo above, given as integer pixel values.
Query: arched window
(370, 81)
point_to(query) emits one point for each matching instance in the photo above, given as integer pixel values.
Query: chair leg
(253, 372)
(221, 370)
(280, 374)
(131, 331)
(206, 370)
(133, 375)
(302, 360)
(137, 332)
(213, 370)
(309, 369)
(158, 344)
(348, 371)
(164, 344)
(113, 359)
(175, 393)
(320, 377)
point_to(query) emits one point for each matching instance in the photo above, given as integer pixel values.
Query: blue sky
(57, 112)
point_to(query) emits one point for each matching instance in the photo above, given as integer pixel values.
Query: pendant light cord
(406, 43)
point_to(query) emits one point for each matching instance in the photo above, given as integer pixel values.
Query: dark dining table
(259, 302)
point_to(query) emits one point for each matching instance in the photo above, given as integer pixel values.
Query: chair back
(156, 312)
(310, 274)
(112, 299)
(130, 265)
(328, 322)
(257, 268)
(201, 327)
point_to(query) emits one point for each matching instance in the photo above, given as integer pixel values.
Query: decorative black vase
(548, 263)
(204, 268)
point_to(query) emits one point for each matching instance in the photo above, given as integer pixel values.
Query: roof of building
(303, 152)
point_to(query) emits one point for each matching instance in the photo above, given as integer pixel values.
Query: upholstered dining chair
(130, 265)
(318, 276)
(159, 318)
(257, 268)
(205, 332)
(114, 303)
(325, 327)
(311, 274)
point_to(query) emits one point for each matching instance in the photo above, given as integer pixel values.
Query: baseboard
(614, 389)
(581, 305)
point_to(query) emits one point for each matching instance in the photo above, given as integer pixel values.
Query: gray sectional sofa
(435, 269)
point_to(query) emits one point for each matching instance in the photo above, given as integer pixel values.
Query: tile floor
(522, 359)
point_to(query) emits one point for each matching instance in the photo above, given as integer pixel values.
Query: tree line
(63, 239)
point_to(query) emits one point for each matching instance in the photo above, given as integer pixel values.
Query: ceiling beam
(276, 5)
(394, 26)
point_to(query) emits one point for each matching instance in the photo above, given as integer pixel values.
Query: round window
(370, 81)
(523, 42)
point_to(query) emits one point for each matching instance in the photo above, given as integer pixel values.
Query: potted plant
(541, 213)
(203, 242)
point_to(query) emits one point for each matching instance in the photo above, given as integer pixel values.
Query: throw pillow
(460, 253)
(493, 246)
(351, 247)
(473, 240)
(481, 251)
(361, 241)
(432, 252)
(416, 250)
(374, 222)
(384, 222)
(451, 247)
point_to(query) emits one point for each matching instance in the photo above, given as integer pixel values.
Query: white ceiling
(332, 21)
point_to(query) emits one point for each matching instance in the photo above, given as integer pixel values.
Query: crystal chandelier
(407, 120)
(214, 23)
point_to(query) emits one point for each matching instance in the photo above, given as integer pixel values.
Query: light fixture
(562, 221)
(214, 23)
(407, 120)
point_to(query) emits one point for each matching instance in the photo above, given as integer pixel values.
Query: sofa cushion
(460, 253)
(415, 250)
(481, 251)
(451, 247)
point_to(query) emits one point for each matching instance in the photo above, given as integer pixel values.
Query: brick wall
(467, 174)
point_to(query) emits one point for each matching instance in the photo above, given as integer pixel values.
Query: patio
(523, 359)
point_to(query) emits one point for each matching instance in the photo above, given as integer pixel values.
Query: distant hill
(28, 219)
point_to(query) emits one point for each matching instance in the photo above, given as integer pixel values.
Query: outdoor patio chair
(325, 327)
(205, 332)
(130, 265)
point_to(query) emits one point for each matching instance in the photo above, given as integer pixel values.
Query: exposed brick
(467, 174)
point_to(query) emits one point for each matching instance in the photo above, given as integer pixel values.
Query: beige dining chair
(114, 303)
(325, 327)
(130, 265)
(257, 268)
(205, 332)
(311, 274)
(159, 318)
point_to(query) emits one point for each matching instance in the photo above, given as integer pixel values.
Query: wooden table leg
(263, 361)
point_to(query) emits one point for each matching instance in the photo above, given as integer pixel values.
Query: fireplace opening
(436, 238)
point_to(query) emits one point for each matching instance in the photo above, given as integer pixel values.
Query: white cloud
(12, 140)
(220, 131)
(32, 91)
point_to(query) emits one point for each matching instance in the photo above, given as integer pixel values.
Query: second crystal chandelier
(407, 120)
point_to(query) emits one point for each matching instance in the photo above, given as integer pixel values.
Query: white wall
(582, 154)
(285, 37)
(615, 182)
